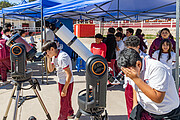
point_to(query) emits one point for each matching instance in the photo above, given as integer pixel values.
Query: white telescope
(72, 41)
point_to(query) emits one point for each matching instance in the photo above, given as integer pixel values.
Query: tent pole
(3, 21)
(177, 45)
(35, 28)
(118, 10)
(42, 36)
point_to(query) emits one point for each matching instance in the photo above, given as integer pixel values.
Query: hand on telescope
(63, 93)
(130, 72)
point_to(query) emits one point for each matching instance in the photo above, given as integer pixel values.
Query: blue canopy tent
(114, 10)
(105, 10)
(122, 10)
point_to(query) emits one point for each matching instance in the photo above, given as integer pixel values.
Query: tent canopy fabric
(116, 10)
(31, 9)
(107, 10)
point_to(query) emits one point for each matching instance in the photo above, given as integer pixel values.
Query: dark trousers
(138, 113)
(65, 102)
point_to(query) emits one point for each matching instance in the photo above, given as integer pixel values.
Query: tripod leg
(9, 104)
(78, 114)
(42, 104)
(17, 101)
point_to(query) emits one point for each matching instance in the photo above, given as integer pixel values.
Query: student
(165, 54)
(22, 33)
(111, 44)
(119, 48)
(6, 33)
(129, 32)
(8, 26)
(119, 29)
(145, 41)
(31, 37)
(99, 48)
(142, 44)
(49, 33)
(62, 62)
(155, 86)
(130, 95)
(5, 63)
(165, 33)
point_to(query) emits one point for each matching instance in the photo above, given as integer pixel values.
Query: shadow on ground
(116, 87)
(111, 117)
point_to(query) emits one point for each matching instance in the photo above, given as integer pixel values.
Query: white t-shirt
(49, 35)
(32, 39)
(124, 39)
(61, 62)
(156, 75)
(5, 37)
(127, 79)
(120, 45)
(164, 56)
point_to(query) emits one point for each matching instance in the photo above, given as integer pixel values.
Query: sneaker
(71, 116)
(110, 86)
(4, 83)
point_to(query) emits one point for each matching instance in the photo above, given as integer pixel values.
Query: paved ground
(116, 106)
(49, 93)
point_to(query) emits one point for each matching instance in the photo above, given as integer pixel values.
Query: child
(99, 48)
(5, 63)
(22, 33)
(62, 62)
(111, 44)
(32, 43)
(119, 48)
(6, 33)
(165, 54)
(155, 86)
(31, 38)
(130, 94)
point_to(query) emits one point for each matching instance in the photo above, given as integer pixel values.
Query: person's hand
(118, 49)
(145, 51)
(48, 57)
(64, 92)
(130, 72)
(109, 62)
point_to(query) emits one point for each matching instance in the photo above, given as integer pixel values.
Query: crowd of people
(151, 93)
(150, 90)
(5, 35)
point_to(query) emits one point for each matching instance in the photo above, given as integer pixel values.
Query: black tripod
(19, 100)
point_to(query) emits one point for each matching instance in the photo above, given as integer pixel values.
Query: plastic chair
(80, 64)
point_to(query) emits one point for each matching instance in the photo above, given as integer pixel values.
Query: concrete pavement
(116, 106)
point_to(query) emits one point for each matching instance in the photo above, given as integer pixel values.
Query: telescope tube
(71, 40)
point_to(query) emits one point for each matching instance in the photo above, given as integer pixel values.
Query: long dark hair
(138, 32)
(161, 50)
(166, 30)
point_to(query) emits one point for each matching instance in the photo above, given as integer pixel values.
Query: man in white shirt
(129, 32)
(155, 86)
(49, 33)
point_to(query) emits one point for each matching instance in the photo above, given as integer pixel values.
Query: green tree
(6, 3)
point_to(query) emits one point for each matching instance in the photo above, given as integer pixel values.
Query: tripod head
(20, 52)
(18, 63)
